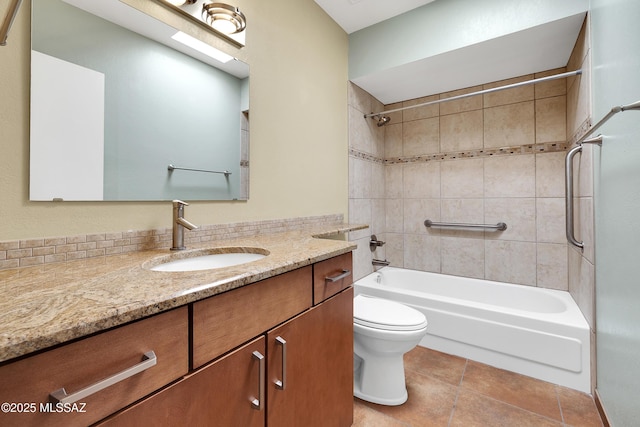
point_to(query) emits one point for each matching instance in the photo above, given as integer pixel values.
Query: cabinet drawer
(225, 321)
(331, 276)
(218, 395)
(83, 363)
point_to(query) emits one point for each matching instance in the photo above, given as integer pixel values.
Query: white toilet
(383, 331)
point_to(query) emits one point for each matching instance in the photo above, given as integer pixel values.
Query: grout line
(559, 405)
(455, 401)
(518, 408)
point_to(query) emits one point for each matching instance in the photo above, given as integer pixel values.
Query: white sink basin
(206, 259)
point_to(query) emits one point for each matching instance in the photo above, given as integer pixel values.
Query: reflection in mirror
(111, 109)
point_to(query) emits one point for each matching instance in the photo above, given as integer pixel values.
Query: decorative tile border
(548, 147)
(32, 252)
(582, 129)
(365, 156)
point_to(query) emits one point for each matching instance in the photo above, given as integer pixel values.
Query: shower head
(383, 120)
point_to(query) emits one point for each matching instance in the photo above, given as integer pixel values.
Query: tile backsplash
(32, 252)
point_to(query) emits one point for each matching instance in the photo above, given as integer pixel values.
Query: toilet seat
(386, 315)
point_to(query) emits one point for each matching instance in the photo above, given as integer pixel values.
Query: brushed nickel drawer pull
(345, 273)
(149, 359)
(259, 402)
(281, 384)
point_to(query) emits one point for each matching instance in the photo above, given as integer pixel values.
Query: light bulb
(224, 26)
(180, 2)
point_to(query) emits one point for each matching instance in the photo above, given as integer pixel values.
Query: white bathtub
(533, 331)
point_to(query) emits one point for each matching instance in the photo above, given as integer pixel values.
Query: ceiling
(536, 49)
(354, 15)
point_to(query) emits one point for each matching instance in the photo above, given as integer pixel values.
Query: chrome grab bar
(60, 396)
(568, 165)
(568, 168)
(501, 226)
(171, 168)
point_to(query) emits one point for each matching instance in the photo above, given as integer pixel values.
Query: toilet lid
(388, 315)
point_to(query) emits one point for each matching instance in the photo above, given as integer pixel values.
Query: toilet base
(383, 383)
(375, 399)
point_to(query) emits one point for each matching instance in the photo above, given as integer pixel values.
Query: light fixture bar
(201, 47)
(194, 12)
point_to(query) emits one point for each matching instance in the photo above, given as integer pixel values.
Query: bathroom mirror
(121, 111)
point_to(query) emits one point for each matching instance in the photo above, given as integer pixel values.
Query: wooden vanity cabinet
(88, 361)
(307, 377)
(278, 352)
(311, 386)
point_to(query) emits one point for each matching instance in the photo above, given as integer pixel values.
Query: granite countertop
(52, 304)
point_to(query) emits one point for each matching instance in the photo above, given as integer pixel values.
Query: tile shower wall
(366, 178)
(581, 264)
(484, 159)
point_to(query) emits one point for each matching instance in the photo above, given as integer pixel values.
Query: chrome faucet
(179, 224)
(374, 243)
(380, 263)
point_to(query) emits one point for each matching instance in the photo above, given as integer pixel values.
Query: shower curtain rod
(480, 92)
(614, 110)
(12, 11)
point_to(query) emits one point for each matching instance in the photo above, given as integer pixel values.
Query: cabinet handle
(340, 276)
(259, 402)
(60, 396)
(281, 384)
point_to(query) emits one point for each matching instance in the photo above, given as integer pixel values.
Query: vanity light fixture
(201, 47)
(221, 19)
(224, 18)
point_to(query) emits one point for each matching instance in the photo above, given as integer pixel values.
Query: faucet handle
(180, 202)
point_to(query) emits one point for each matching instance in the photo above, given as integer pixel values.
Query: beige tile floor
(447, 390)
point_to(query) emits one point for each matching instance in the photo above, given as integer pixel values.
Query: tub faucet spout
(380, 263)
(179, 224)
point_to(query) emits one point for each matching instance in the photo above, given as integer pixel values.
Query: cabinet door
(314, 364)
(226, 393)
